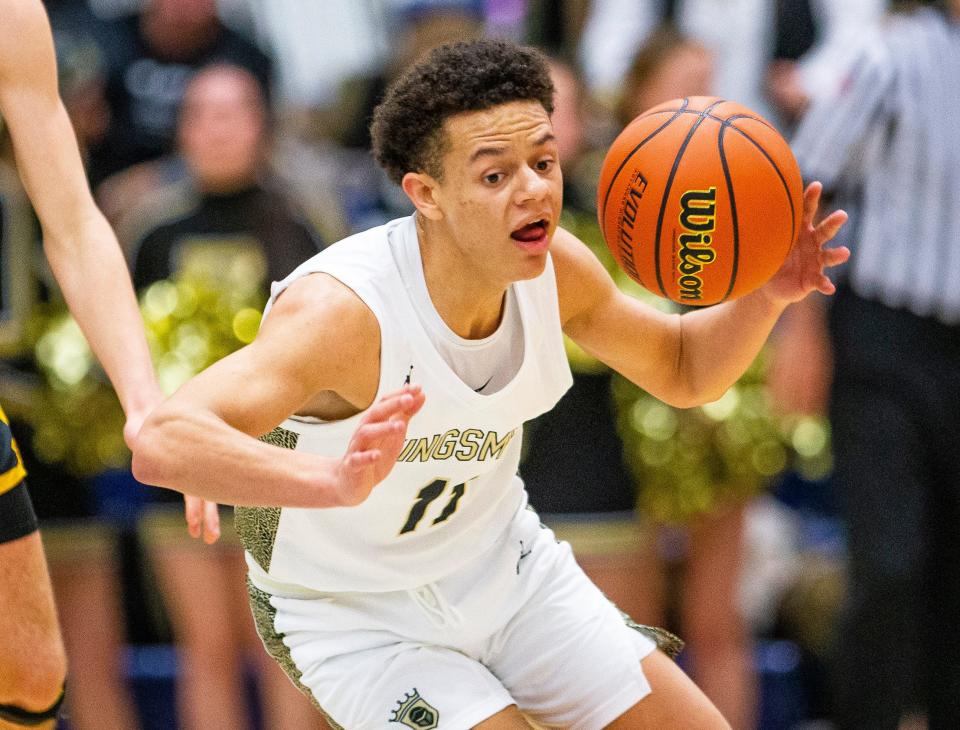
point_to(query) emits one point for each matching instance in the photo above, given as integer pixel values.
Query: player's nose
(531, 185)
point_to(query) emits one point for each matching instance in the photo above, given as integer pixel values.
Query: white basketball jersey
(454, 488)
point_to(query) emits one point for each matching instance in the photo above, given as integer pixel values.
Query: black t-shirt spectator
(254, 227)
(144, 90)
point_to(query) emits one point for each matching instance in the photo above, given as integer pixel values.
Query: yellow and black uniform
(17, 517)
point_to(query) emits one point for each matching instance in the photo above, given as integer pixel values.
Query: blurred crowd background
(226, 141)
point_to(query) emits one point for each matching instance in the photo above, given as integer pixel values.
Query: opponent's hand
(376, 444)
(803, 270)
(203, 519)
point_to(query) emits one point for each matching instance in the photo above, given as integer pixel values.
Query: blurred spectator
(741, 34)
(148, 60)
(814, 38)
(316, 45)
(226, 203)
(885, 138)
(666, 66)
(223, 224)
(368, 196)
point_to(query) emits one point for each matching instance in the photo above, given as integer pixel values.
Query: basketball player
(91, 271)
(436, 599)
(90, 268)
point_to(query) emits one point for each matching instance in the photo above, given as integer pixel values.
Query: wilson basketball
(700, 200)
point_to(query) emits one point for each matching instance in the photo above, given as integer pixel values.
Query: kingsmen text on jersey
(454, 488)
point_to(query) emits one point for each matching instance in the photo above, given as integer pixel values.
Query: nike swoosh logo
(477, 390)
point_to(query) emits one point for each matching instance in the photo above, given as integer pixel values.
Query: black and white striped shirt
(890, 134)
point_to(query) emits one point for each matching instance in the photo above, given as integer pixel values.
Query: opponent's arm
(318, 338)
(689, 359)
(82, 249)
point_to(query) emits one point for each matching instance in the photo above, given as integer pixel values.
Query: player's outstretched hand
(804, 269)
(203, 519)
(376, 444)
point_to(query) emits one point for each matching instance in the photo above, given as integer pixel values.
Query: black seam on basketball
(733, 213)
(606, 197)
(734, 117)
(666, 193)
(783, 180)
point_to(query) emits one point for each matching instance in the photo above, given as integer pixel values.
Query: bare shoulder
(582, 282)
(319, 319)
(319, 305)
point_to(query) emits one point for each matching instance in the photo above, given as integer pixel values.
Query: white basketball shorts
(520, 625)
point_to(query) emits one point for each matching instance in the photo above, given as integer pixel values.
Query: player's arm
(82, 249)
(318, 338)
(689, 359)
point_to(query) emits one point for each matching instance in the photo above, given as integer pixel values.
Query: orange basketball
(700, 200)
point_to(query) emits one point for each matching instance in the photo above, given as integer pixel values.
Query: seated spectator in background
(226, 204)
(149, 59)
(225, 224)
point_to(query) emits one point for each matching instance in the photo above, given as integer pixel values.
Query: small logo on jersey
(523, 554)
(480, 389)
(415, 712)
(406, 380)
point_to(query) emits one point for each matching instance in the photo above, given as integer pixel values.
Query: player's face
(501, 192)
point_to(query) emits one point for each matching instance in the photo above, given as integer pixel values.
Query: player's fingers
(193, 513)
(361, 459)
(419, 398)
(830, 226)
(211, 522)
(373, 432)
(391, 403)
(835, 256)
(811, 201)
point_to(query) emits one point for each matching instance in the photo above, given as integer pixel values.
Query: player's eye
(544, 165)
(493, 178)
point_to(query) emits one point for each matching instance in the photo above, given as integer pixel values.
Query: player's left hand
(203, 519)
(804, 269)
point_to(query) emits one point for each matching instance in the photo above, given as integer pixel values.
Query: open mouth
(530, 233)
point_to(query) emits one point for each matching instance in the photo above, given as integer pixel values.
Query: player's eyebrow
(546, 137)
(487, 151)
(497, 150)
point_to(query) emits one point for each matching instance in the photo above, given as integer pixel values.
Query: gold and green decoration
(687, 462)
(191, 322)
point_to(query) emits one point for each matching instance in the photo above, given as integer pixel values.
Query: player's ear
(421, 188)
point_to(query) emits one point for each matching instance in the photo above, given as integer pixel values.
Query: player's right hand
(203, 518)
(376, 444)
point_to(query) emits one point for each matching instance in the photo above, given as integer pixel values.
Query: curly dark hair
(453, 78)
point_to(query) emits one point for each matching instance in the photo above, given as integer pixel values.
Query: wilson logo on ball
(698, 217)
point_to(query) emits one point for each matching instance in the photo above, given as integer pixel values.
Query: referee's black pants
(895, 414)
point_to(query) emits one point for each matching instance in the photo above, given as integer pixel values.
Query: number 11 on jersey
(427, 495)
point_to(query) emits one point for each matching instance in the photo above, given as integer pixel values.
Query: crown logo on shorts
(415, 712)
